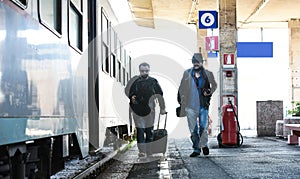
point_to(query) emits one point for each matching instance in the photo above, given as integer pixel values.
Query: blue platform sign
(208, 19)
(254, 49)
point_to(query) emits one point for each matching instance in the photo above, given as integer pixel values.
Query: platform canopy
(250, 13)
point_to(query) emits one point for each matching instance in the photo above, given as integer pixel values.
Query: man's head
(197, 61)
(144, 69)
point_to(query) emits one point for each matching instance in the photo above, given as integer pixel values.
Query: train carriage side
(44, 83)
(112, 70)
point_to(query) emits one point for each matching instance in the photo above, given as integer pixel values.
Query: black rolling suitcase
(160, 140)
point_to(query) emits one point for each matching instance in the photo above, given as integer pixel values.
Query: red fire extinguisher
(230, 136)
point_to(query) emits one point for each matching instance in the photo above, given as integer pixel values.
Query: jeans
(199, 132)
(145, 131)
(144, 143)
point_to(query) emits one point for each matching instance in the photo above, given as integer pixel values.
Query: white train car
(56, 81)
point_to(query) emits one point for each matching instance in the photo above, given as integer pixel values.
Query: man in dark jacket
(142, 92)
(194, 94)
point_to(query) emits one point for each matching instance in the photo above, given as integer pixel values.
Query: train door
(93, 76)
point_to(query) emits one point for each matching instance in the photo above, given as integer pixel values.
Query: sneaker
(205, 150)
(194, 154)
(141, 154)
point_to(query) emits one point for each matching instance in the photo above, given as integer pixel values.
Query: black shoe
(205, 150)
(194, 154)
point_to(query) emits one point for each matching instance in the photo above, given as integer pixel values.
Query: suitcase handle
(159, 121)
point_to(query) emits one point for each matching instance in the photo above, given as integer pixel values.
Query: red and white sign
(228, 60)
(212, 43)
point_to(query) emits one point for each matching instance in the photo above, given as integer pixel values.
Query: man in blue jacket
(194, 94)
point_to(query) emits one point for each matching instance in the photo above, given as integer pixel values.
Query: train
(59, 60)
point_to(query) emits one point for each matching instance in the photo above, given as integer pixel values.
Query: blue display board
(254, 49)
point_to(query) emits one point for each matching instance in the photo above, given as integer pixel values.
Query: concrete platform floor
(257, 158)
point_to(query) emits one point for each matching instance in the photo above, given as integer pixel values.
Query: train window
(120, 51)
(50, 15)
(124, 76)
(75, 27)
(119, 72)
(105, 57)
(113, 65)
(127, 77)
(113, 40)
(105, 43)
(129, 66)
(21, 3)
(124, 57)
(105, 25)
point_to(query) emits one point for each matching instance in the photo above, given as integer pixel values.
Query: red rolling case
(159, 144)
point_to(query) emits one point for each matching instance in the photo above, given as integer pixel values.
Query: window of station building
(75, 26)
(21, 3)
(50, 15)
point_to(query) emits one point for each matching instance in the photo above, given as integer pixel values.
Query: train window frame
(78, 6)
(105, 58)
(113, 62)
(129, 66)
(113, 41)
(124, 57)
(123, 76)
(119, 71)
(112, 53)
(120, 50)
(57, 32)
(105, 61)
(76, 45)
(21, 4)
(107, 35)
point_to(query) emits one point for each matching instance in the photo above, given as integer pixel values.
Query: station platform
(266, 157)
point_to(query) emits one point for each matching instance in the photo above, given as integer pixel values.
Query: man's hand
(207, 92)
(133, 99)
(163, 111)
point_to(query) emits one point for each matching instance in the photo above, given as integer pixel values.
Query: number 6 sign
(208, 19)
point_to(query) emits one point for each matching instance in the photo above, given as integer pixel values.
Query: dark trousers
(144, 139)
